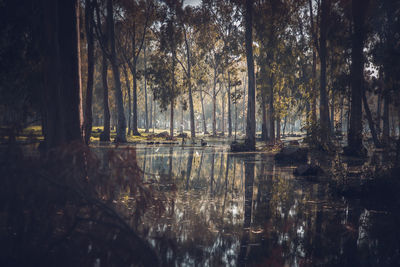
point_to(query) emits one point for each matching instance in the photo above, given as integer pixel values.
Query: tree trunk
(151, 114)
(284, 126)
(223, 114)
(251, 102)
(182, 126)
(202, 111)
(385, 118)
(189, 76)
(271, 112)
(332, 116)
(341, 113)
(229, 107)
(133, 66)
(128, 88)
(62, 94)
(278, 128)
(171, 120)
(135, 130)
(121, 123)
(244, 107)
(214, 122)
(90, 61)
(359, 8)
(323, 98)
(314, 68)
(145, 90)
(235, 113)
(105, 136)
(264, 130)
(370, 120)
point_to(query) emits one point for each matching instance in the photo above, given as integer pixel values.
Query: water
(225, 209)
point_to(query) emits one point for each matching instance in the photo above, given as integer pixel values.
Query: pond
(225, 209)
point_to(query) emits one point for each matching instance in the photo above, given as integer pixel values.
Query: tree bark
(90, 61)
(214, 122)
(128, 88)
(251, 99)
(189, 76)
(203, 113)
(323, 103)
(145, 90)
(121, 122)
(105, 136)
(223, 114)
(229, 107)
(264, 130)
(370, 120)
(357, 77)
(314, 68)
(244, 107)
(62, 94)
(385, 119)
(271, 112)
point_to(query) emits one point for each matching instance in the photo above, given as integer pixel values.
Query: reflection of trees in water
(202, 225)
(256, 213)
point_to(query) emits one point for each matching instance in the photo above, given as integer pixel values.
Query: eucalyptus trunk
(323, 98)
(359, 8)
(251, 99)
(90, 62)
(121, 122)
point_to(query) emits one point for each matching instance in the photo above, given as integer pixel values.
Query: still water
(225, 209)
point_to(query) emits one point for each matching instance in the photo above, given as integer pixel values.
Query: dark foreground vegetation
(303, 95)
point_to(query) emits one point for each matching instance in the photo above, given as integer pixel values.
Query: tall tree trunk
(359, 8)
(214, 122)
(105, 135)
(90, 61)
(284, 125)
(264, 130)
(128, 88)
(62, 94)
(370, 120)
(323, 98)
(145, 90)
(341, 113)
(332, 116)
(151, 114)
(314, 68)
(135, 130)
(278, 127)
(385, 119)
(121, 123)
(251, 101)
(235, 113)
(182, 126)
(133, 68)
(223, 114)
(202, 111)
(189, 76)
(229, 107)
(244, 106)
(271, 112)
(171, 120)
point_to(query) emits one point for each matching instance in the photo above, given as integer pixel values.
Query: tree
(357, 78)
(323, 103)
(121, 124)
(136, 23)
(103, 40)
(251, 109)
(89, 9)
(62, 95)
